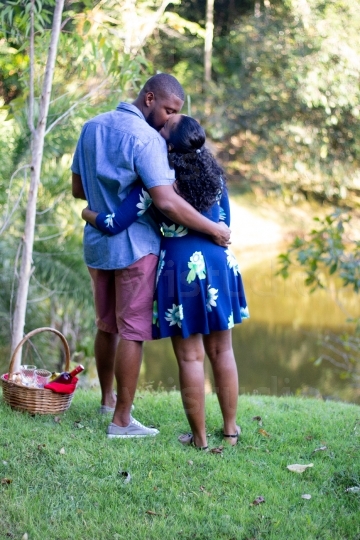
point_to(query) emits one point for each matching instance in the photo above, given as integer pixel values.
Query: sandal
(188, 440)
(233, 436)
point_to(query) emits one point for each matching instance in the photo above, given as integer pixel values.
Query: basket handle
(33, 333)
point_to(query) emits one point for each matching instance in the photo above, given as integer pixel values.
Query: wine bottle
(65, 377)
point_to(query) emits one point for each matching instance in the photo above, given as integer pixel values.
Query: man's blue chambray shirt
(114, 151)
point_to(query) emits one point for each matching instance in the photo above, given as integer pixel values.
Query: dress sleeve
(133, 206)
(225, 207)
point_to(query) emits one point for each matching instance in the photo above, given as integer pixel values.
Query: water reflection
(274, 348)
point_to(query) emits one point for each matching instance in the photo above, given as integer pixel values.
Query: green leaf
(86, 27)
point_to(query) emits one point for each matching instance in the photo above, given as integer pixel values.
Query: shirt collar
(130, 108)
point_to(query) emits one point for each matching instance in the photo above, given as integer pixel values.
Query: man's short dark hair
(165, 84)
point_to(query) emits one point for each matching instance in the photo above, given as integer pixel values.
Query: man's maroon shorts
(124, 299)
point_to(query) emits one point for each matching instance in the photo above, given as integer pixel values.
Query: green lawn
(61, 479)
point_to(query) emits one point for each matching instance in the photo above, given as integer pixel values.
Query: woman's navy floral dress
(199, 288)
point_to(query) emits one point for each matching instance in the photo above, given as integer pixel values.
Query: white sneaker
(134, 429)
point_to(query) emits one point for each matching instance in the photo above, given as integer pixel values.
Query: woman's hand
(89, 216)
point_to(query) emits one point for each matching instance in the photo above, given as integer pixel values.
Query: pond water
(276, 347)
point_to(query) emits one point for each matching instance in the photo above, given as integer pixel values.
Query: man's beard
(150, 121)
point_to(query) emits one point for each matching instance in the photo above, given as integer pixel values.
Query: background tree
(209, 35)
(282, 111)
(83, 51)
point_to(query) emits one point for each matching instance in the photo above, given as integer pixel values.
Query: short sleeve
(152, 164)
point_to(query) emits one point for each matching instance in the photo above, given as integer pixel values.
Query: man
(114, 151)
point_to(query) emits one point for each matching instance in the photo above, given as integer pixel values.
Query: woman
(199, 292)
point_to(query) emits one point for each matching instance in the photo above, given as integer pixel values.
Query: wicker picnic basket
(35, 400)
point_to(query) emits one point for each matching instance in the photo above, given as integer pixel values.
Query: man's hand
(176, 208)
(222, 236)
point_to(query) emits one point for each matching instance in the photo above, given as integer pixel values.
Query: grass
(61, 479)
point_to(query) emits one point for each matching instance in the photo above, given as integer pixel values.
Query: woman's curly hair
(199, 178)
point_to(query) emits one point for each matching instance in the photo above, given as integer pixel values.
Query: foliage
(330, 246)
(293, 93)
(331, 249)
(88, 52)
(61, 477)
(284, 102)
(283, 110)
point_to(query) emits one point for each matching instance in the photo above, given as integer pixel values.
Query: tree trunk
(209, 36)
(37, 147)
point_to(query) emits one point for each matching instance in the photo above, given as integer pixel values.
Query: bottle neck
(77, 370)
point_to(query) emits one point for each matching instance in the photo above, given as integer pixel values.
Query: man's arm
(177, 209)
(77, 187)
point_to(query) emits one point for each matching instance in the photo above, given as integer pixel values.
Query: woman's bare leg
(218, 347)
(190, 354)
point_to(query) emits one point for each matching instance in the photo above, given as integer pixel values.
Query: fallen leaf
(355, 489)
(25, 536)
(41, 446)
(257, 419)
(57, 419)
(299, 468)
(306, 496)
(151, 513)
(190, 462)
(6, 480)
(258, 500)
(265, 433)
(217, 450)
(62, 451)
(126, 476)
(320, 449)
(78, 425)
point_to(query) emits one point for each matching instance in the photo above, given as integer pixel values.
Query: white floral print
(231, 321)
(244, 312)
(171, 231)
(160, 265)
(109, 220)
(212, 296)
(175, 315)
(232, 262)
(145, 202)
(222, 214)
(197, 267)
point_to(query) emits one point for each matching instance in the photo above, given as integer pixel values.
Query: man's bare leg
(105, 349)
(127, 368)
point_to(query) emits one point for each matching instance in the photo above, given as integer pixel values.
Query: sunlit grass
(61, 479)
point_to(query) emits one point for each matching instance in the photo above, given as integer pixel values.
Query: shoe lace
(136, 422)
